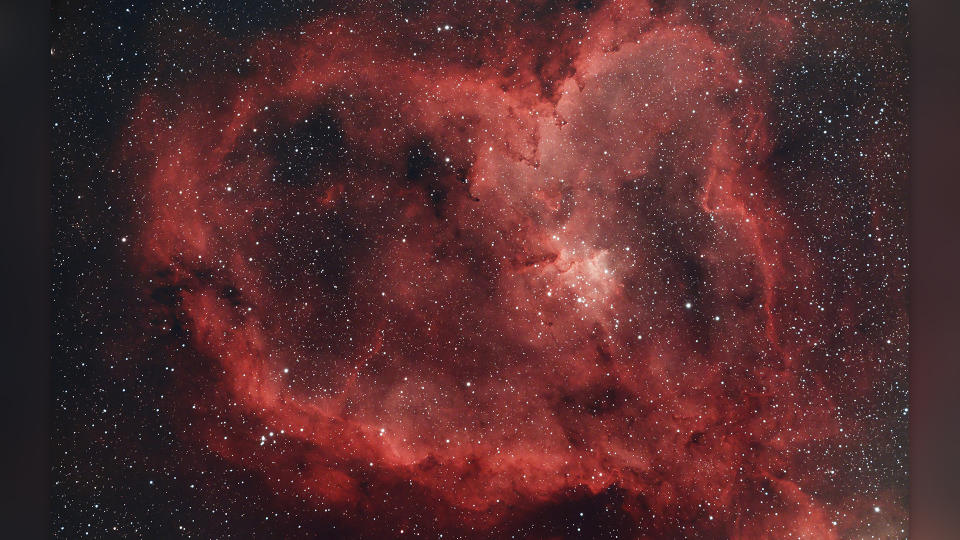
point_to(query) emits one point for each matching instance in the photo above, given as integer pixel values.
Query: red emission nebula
(470, 272)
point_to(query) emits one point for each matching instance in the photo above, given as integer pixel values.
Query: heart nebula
(464, 271)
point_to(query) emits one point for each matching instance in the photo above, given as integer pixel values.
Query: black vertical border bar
(26, 258)
(935, 259)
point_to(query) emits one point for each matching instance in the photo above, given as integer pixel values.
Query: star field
(481, 270)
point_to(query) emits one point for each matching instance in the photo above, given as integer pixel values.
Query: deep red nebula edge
(442, 277)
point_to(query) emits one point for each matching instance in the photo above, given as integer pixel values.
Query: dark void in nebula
(524, 270)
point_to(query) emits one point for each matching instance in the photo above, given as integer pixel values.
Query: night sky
(486, 269)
